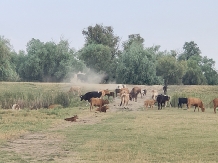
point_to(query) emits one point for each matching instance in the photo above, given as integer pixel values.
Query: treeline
(128, 62)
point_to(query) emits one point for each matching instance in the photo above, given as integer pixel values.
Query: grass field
(120, 135)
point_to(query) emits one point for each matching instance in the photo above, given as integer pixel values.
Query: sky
(168, 23)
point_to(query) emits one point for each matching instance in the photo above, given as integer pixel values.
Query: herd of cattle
(95, 98)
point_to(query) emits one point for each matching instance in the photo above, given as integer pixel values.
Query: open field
(120, 135)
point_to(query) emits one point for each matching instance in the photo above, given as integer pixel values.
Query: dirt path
(46, 147)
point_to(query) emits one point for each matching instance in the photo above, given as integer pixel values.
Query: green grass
(168, 135)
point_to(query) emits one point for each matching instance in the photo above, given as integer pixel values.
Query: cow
(161, 99)
(72, 119)
(104, 92)
(134, 93)
(215, 104)
(165, 89)
(97, 102)
(124, 99)
(110, 94)
(168, 102)
(75, 89)
(154, 94)
(181, 101)
(124, 90)
(149, 103)
(90, 95)
(196, 102)
(103, 109)
(144, 91)
(16, 107)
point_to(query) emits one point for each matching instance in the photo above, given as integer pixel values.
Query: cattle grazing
(110, 94)
(124, 99)
(75, 89)
(134, 93)
(144, 91)
(90, 95)
(215, 104)
(16, 107)
(149, 103)
(103, 109)
(182, 101)
(154, 94)
(97, 102)
(161, 99)
(72, 119)
(196, 102)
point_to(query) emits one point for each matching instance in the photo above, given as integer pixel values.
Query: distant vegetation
(128, 62)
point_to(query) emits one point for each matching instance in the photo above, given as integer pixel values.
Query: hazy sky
(168, 23)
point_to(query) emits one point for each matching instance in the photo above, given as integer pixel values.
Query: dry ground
(44, 147)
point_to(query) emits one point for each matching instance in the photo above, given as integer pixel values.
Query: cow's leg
(214, 109)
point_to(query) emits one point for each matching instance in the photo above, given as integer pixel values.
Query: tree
(7, 70)
(50, 62)
(194, 74)
(170, 69)
(136, 65)
(190, 49)
(132, 38)
(207, 67)
(104, 35)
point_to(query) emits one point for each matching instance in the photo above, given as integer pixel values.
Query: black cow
(89, 95)
(161, 99)
(182, 101)
(117, 91)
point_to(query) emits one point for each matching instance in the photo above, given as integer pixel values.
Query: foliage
(104, 35)
(137, 66)
(170, 69)
(49, 62)
(194, 75)
(7, 69)
(190, 49)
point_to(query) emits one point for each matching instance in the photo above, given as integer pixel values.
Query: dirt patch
(41, 147)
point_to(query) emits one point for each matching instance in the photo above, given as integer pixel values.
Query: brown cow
(104, 92)
(72, 119)
(215, 104)
(134, 93)
(149, 103)
(97, 102)
(75, 89)
(124, 99)
(103, 109)
(196, 102)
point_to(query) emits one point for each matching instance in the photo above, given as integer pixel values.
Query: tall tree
(136, 65)
(170, 69)
(104, 35)
(132, 38)
(194, 74)
(7, 69)
(190, 49)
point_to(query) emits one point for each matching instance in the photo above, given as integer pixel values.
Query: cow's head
(81, 97)
(106, 101)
